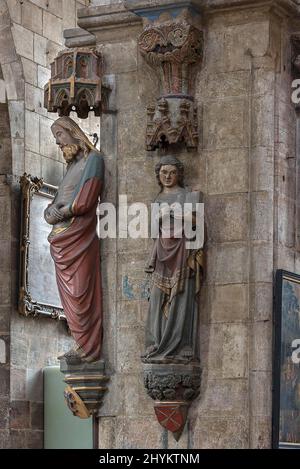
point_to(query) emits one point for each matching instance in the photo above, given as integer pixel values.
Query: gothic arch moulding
(12, 76)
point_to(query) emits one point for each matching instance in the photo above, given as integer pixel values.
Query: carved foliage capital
(173, 41)
(174, 46)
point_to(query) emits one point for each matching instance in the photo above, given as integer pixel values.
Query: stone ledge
(140, 6)
(129, 12)
(86, 386)
(207, 5)
(96, 18)
(291, 5)
(136, 5)
(77, 37)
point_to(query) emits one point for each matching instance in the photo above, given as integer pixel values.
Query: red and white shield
(171, 415)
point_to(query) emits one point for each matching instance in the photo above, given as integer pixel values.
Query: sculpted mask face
(66, 142)
(168, 176)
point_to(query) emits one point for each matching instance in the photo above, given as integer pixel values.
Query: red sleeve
(87, 197)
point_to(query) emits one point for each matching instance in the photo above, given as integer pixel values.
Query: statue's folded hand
(66, 212)
(56, 213)
(52, 215)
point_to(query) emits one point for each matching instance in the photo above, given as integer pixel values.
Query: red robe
(76, 255)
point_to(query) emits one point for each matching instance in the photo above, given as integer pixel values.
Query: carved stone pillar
(172, 43)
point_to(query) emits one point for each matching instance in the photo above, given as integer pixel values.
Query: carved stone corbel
(172, 44)
(173, 387)
(86, 386)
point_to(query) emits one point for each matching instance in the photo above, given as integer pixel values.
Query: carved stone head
(169, 172)
(70, 138)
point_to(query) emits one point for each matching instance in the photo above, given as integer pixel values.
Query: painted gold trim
(171, 403)
(291, 279)
(89, 388)
(57, 231)
(87, 378)
(288, 444)
(76, 404)
(72, 87)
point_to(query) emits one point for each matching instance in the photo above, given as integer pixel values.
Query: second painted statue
(171, 329)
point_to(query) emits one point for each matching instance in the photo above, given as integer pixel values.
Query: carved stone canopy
(173, 46)
(76, 83)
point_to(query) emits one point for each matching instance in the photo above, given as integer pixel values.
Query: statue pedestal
(173, 387)
(86, 386)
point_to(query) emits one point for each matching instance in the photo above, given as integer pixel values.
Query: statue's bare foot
(76, 356)
(72, 357)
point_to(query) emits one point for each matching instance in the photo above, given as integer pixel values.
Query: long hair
(68, 124)
(170, 160)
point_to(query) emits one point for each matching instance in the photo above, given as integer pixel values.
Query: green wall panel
(62, 429)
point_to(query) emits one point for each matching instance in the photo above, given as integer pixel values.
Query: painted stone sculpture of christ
(74, 244)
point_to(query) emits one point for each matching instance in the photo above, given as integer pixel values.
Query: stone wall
(286, 252)
(237, 90)
(5, 281)
(245, 166)
(31, 35)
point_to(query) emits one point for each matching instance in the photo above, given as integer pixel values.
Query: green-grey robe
(171, 329)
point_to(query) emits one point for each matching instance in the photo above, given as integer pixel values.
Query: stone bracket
(86, 387)
(171, 43)
(173, 387)
(78, 37)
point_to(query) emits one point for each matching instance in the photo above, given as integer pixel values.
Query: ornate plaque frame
(286, 368)
(29, 306)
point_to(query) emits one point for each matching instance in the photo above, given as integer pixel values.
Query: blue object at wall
(61, 429)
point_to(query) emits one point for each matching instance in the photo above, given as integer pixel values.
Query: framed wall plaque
(286, 370)
(38, 293)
